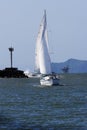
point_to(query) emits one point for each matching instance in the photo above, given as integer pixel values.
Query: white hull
(49, 81)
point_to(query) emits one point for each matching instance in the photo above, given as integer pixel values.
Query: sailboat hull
(49, 81)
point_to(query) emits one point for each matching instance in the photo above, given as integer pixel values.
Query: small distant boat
(31, 74)
(43, 61)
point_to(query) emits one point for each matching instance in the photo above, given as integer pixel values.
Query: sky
(19, 24)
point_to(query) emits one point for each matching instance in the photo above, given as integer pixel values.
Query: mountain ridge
(75, 66)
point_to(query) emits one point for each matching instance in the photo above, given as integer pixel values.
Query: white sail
(44, 58)
(37, 67)
(39, 40)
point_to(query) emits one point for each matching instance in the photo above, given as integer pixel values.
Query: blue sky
(19, 24)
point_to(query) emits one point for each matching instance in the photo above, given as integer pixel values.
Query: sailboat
(43, 58)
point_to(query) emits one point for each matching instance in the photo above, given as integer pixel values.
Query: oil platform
(12, 72)
(65, 69)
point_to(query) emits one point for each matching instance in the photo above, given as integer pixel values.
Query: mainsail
(42, 42)
(43, 54)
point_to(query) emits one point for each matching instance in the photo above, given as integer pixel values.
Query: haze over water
(24, 104)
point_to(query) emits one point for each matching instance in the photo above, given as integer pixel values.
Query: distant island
(70, 66)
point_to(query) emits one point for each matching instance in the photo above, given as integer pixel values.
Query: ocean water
(25, 105)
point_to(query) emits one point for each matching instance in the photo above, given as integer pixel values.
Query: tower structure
(11, 49)
(12, 72)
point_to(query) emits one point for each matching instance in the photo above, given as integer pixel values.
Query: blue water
(26, 105)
